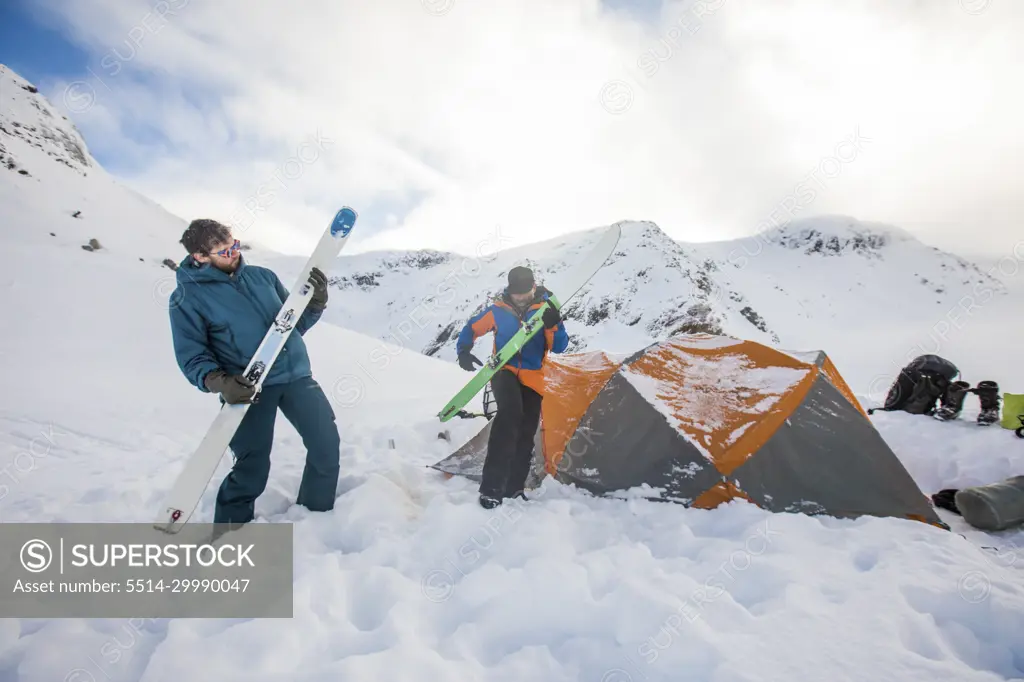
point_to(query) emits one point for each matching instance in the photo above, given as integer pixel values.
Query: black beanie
(520, 280)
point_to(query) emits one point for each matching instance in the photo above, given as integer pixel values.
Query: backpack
(920, 384)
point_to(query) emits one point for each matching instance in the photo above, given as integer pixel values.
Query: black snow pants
(510, 445)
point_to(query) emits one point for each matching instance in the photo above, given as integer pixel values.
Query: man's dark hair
(203, 234)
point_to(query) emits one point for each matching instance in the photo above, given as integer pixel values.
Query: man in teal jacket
(220, 312)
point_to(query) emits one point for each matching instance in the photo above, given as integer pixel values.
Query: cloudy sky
(446, 121)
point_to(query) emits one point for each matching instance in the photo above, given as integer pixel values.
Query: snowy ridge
(844, 261)
(28, 120)
(650, 288)
(408, 578)
(56, 193)
(804, 286)
(837, 235)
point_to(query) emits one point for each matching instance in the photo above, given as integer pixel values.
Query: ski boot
(952, 401)
(988, 395)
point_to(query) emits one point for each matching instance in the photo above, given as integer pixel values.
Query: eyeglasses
(230, 251)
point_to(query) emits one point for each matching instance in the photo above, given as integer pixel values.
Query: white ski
(565, 284)
(184, 497)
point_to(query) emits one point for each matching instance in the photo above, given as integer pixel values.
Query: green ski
(495, 362)
(568, 285)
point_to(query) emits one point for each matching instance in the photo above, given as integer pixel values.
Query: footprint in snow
(866, 559)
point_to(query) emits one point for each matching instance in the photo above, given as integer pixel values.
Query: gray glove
(234, 388)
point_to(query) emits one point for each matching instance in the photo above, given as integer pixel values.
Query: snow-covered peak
(834, 235)
(808, 284)
(33, 131)
(650, 287)
(55, 194)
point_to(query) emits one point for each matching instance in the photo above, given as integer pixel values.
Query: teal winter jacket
(219, 320)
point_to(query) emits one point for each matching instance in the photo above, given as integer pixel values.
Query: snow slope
(408, 578)
(49, 175)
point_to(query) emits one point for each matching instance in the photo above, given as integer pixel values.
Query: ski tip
(616, 230)
(344, 221)
(169, 527)
(171, 521)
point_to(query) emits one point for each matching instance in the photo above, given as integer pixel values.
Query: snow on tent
(706, 419)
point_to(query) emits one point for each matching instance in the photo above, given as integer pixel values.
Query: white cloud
(508, 113)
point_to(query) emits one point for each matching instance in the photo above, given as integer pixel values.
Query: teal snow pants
(306, 406)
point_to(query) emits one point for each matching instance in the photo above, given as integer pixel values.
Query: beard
(228, 268)
(521, 306)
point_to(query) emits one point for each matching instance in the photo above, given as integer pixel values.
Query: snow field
(408, 578)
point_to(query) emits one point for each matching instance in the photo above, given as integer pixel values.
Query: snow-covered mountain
(56, 138)
(809, 284)
(651, 287)
(57, 194)
(408, 578)
(835, 271)
(872, 295)
(783, 286)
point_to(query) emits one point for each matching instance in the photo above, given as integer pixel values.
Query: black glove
(234, 388)
(551, 317)
(466, 360)
(319, 282)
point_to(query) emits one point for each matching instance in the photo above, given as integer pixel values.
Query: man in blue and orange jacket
(518, 387)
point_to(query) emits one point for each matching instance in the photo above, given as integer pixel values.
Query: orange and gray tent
(705, 419)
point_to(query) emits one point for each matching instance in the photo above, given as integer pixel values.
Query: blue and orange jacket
(504, 320)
